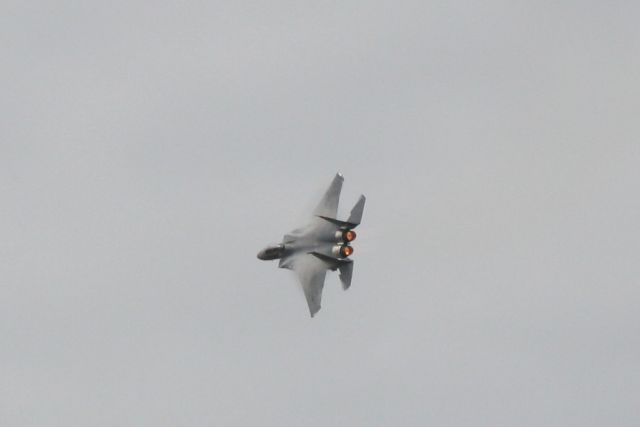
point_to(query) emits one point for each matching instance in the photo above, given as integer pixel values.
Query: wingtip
(339, 175)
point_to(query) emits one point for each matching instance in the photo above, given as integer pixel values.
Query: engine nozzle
(345, 236)
(342, 250)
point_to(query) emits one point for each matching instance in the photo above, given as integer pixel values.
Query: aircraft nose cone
(271, 252)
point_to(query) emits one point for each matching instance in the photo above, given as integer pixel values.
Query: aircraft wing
(328, 206)
(311, 272)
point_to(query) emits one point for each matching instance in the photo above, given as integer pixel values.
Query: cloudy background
(148, 150)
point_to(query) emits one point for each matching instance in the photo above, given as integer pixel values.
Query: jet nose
(271, 252)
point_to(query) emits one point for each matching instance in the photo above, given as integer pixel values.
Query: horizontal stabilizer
(333, 262)
(341, 224)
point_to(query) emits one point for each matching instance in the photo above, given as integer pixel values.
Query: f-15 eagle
(321, 245)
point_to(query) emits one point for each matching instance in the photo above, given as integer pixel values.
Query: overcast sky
(149, 150)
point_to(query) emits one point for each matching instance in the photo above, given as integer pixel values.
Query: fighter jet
(321, 245)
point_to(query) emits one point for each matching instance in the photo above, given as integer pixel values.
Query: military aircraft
(321, 245)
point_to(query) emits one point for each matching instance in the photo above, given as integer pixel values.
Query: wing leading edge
(311, 272)
(328, 205)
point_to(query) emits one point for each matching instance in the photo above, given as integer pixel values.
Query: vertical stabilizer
(346, 271)
(356, 212)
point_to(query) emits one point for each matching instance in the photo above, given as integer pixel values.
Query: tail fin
(354, 218)
(344, 265)
(356, 212)
(346, 271)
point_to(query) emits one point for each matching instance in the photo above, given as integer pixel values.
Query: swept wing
(311, 272)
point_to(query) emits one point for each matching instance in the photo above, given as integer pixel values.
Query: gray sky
(148, 151)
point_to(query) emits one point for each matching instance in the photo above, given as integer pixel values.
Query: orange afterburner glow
(346, 251)
(349, 235)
